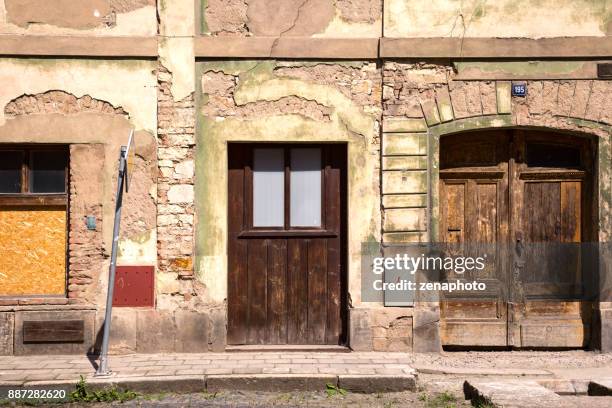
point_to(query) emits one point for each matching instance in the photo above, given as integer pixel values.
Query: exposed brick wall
(58, 102)
(175, 209)
(85, 247)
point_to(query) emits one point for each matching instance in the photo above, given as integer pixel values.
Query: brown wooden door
(527, 193)
(474, 217)
(551, 184)
(286, 244)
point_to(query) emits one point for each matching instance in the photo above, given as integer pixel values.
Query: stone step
(511, 394)
(600, 387)
(288, 348)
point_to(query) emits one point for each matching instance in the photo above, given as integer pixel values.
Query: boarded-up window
(33, 203)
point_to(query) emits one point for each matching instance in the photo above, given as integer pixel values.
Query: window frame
(286, 229)
(25, 197)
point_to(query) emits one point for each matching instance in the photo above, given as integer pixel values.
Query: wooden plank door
(286, 211)
(551, 178)
(474, 217)
(528, 193)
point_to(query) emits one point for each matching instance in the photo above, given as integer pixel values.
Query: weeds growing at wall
(84, 393)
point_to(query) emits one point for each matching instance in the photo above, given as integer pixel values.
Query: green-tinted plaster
(527, 69)
(348, 123)
(479, 122)
(349, 64)
(203, 23)
(72, 64)
(404, 125)
(479, 12)
(228, 67)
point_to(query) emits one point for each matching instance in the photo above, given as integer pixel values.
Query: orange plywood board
(32, 251)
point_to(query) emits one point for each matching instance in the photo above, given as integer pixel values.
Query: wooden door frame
(592, 181)
(325, 231)
(520, 176)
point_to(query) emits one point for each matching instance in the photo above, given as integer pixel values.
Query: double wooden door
(520, 199)
(286, 248)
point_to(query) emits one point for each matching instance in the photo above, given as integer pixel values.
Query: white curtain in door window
(268, 188)
(305, 187)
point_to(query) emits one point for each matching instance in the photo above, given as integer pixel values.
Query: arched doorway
(524, 200)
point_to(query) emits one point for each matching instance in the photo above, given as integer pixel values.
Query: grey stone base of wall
(143, 330)
(134, 330)
(153, 331)
(605, 320)
(381, 329)
(12, 333)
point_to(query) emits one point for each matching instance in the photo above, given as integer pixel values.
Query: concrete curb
(381, 383)
(251, 382)
(269, 382)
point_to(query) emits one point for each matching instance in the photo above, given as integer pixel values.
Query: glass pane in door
(305, 187)
(268, 188)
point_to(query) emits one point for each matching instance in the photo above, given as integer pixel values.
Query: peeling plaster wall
(305, 18)
(285, 101)
(77, 102)
(499, 18)
(68, 17)
(125, 83)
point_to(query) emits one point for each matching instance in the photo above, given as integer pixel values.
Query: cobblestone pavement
(33, 368)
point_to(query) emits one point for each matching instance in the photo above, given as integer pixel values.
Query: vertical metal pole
(103, 366)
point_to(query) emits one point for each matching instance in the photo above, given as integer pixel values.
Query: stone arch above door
(423, 103)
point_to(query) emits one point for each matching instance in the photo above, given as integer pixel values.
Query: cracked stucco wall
(67, 17)
(78, 102)
(285, 101)
(301, 18)
(497, 18)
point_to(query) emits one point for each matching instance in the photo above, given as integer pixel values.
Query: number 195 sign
(519, 89)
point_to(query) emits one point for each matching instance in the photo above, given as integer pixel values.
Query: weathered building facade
(273, 140)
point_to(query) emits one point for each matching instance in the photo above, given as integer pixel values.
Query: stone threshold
(288, 347)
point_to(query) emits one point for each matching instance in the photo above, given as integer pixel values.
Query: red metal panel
(134, 286)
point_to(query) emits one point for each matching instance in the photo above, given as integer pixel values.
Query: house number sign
(519, 89)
